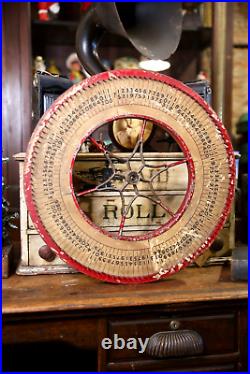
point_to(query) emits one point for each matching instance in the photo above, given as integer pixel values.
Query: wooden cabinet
(31, 262)
(218, 325)
(76, 312)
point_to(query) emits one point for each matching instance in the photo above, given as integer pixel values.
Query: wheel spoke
(159, 202)
(139, 143)
(98, 145)
(167, 209)
(97, 188)
(124, 187)
(82, 193)
(124, 214)
(143, 129)
(169, 165)
(110, 157)
(134, 150)
(120, 159)
(156, 174)
(106, 153)
(122, 223)
(173, 164)
(142, 156)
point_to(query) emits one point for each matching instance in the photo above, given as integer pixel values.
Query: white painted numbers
(121, 343)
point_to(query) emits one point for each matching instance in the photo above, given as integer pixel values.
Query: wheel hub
(133, 177)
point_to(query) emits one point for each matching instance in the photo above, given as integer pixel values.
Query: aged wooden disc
(50, 157)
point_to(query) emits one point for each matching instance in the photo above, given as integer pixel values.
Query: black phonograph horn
(154, 29)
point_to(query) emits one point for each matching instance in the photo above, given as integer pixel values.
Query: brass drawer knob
(174, 344)
(174, 325)
(46, 253)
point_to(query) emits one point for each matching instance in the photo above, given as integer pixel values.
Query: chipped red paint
(64, 98)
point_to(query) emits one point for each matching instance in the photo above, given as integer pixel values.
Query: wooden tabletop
(42, 293)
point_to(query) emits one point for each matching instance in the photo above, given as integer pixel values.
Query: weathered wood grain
(75, 291)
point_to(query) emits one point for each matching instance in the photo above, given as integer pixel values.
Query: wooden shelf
(197, 39)
(41, 293)
(55, 23)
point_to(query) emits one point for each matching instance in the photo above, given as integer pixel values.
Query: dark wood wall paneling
(16, 75)
(221, 63)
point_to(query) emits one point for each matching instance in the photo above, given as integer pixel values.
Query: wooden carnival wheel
(56, 202)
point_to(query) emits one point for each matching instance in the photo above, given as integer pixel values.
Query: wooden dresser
(78, 312)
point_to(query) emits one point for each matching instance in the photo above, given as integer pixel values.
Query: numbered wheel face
(129, 176)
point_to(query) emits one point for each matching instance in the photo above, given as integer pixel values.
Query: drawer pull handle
(174, 344)
(46, 253)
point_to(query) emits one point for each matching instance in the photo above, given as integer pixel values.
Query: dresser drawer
(218, 334)
(35, 242)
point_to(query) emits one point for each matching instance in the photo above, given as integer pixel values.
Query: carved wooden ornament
(183, 231)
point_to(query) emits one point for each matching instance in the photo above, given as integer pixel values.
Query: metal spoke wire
(118, 174)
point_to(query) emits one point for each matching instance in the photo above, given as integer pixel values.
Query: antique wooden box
(104, 209)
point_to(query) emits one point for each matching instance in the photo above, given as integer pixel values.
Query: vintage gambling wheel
(56, 195)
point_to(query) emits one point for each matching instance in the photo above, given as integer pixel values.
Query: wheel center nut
(133, 177)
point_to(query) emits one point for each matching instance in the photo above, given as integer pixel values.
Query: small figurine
(53, 69)
(47, 10)
(202, 75)
(126, 63)
(39, 64)
(85, 6)
(73, 64)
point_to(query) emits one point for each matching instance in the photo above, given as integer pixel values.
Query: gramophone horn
(153, 28)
